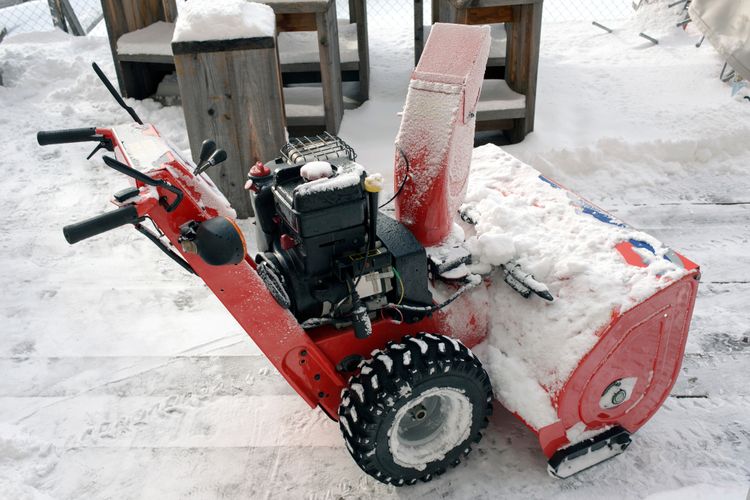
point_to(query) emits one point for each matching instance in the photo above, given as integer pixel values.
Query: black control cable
(403, 182)
(472, 282)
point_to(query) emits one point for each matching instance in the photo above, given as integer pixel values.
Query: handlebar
(47, 137)
(100, 224)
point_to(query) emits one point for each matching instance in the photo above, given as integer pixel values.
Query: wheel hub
(428, 428)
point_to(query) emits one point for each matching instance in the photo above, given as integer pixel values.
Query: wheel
(415, 408)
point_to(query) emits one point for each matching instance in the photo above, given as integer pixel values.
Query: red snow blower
(365, 315)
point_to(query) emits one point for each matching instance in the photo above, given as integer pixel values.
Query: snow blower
(373, 318)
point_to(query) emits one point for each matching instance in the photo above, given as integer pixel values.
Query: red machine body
(646, 342)
(642, 347)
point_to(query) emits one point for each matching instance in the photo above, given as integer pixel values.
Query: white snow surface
(223, 20)
(154, 39)
(123, 377)
(314, 170)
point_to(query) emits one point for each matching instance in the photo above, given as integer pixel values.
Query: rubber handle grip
(47, 137)
(100, 224)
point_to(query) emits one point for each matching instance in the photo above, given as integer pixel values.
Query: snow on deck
(154, 39)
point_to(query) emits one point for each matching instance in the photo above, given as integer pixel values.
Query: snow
(223, 20)
(123, 377)
(154, 39)
(524, 219)
(315, 170)
(346, 176)
(496, 95)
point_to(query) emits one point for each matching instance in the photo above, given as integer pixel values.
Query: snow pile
(315, 170)
(223, 20)
(24, 463)
(534, 345)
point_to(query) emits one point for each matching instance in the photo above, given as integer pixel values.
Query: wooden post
(418, 29)
(330, 67)
(522, 62)
(55, 10)
(70, 16)
(231, 93)
(363, 49)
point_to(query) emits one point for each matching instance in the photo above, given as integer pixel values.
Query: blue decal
(585, 207)
(643, 244)
(602, 216)
(549, 181)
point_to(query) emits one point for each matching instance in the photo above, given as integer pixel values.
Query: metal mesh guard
(317, 147)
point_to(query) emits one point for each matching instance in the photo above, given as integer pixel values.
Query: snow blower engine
(325, 252)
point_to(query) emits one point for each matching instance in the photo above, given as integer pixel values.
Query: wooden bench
(140, 35)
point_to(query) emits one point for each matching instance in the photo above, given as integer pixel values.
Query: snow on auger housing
(373, 319)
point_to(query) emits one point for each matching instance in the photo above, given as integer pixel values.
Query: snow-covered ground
(122, 377)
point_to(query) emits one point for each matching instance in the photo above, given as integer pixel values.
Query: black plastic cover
(409, 259)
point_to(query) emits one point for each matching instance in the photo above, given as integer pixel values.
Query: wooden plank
(522, 62)
(314, 67)
(488, 15)
(447, 12)
(490, 125)
(304, 21)
(299, 6)
(330, 68)
(418, 30)
(265, 42)
(235, 98)
(58, 19)
(169, 8)
(146, 58)
(459, 4)
(363, 50)
(71, 18)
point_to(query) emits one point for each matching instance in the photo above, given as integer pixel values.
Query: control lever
(149, 181)
(214, 159)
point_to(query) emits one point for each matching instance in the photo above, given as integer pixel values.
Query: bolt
(418, 412)
(619, 397)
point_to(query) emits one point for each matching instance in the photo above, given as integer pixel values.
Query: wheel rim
(429, 427)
